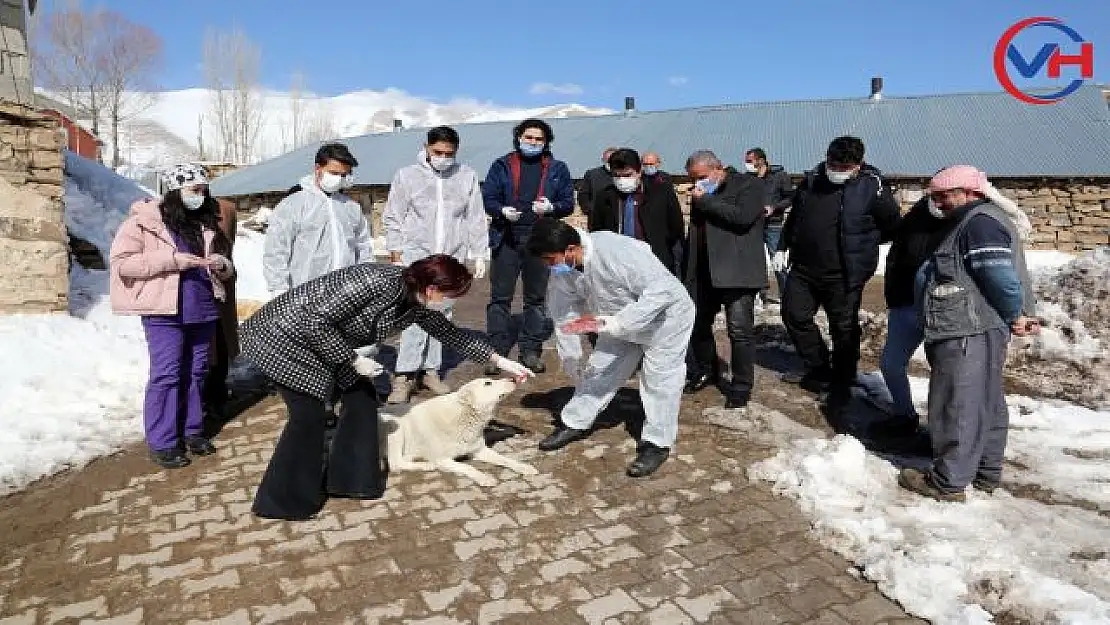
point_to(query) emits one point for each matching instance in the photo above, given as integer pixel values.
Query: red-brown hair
(445, 273)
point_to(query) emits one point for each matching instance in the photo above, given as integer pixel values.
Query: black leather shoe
(735, 403)
(648, 459)
(169, 458)
(199, 446)
(815, 381)
(533, 362)
(697, 383)
(561, 437)
(895, 427)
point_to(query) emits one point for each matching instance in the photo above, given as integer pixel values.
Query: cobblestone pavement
(119, 542)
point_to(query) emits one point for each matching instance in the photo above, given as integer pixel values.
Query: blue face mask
(560, 269)
(529, 149)
(650, 170)
(707, 185)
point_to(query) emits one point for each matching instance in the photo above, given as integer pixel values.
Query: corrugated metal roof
(905, 136)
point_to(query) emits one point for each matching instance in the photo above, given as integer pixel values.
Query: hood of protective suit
(430, 212)
(310, 234)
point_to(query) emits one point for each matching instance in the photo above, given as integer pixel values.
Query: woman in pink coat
(169, 264)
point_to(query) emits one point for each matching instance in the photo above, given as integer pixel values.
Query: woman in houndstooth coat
(305, 340)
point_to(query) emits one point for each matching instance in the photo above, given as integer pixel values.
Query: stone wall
(34, 260)
(1067, 215)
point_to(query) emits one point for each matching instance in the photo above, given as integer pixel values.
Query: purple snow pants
(178, 365)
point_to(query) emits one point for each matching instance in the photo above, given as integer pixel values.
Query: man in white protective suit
(318, 228)
(615, 286)
(435, 207)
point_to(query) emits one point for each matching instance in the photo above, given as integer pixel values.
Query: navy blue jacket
(497, 193)
(869, 215)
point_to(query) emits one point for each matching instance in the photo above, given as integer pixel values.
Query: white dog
(434, 433)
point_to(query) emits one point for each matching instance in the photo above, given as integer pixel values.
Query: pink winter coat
(145, 274)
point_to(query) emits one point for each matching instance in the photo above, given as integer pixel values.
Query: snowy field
(960, 563)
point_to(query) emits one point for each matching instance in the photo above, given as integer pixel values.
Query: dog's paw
(528, 470)
(486, 481)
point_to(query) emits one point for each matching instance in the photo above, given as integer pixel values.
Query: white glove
(510, 213)
(367, 367)
(221, 266)
(513, 368)
(780, 261)
(479, 268)
(542, 206)
(573, 368)
(609, 325)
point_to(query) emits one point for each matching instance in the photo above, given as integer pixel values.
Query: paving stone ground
(120, 542)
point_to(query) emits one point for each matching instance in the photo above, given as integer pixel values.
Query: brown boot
(402, 390)
(919, 482)
(432, 382)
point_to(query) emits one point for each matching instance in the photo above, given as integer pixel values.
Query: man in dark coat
(225, 342)
(640, 207)
(522, 186)
(725, 266)
(780, 193)
(841, 212)
(594, 181)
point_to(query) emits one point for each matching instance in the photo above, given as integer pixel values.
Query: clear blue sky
(667, 54)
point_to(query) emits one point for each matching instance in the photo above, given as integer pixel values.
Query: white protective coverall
(427, 213)
(310, 234)
(648, 315)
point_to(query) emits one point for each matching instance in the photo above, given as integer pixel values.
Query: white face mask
(626, 184)
(838, 177)
(192, 202)
(750, 168)
(330, 183)
(935, 210)
(441, 163)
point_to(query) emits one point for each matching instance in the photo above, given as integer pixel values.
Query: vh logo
(1050, 58)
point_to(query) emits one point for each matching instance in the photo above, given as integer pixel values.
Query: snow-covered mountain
(171, 130)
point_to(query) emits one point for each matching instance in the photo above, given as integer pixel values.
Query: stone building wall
(34, 259)
(1067, 215)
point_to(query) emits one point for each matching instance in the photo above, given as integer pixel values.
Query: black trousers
(512, 262)
(739, 305)
(214, 394)
(804, 294)
(304, 471)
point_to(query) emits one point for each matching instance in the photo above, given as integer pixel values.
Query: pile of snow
(961, 563)
(1071, 357)
(75, 391)
(250, 286)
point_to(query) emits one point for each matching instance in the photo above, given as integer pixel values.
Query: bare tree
(130, 55)
(99, 63)
(231, 68)
(311, 116)
(297, 109)
(66, 63)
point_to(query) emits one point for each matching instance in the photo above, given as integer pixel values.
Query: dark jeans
(739, 305)
(512, 263)
(303, 471)
(771, 236)
(803, 295)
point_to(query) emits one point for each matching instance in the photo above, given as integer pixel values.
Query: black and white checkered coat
(305, 338)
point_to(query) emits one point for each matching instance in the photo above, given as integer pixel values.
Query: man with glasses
(841, 212)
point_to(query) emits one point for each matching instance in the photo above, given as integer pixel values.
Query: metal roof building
(905, 136)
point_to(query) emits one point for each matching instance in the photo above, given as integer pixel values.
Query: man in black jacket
(594, 181)
(726, 266)
(780, 193)
(640, 207)
(841, 212)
